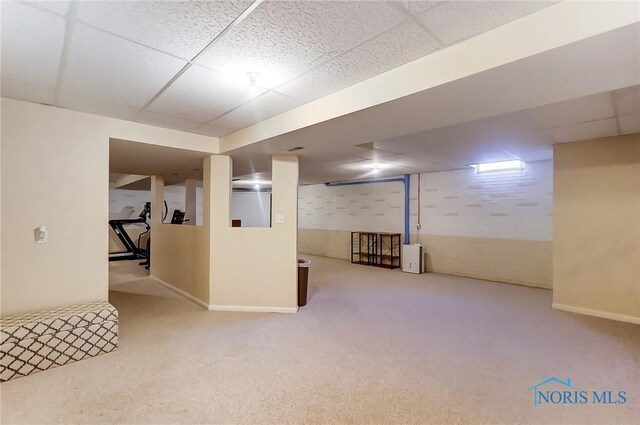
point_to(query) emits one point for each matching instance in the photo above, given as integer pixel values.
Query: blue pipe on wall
(406, 179)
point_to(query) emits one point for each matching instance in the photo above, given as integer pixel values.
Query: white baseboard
(181, 292)
(239, 308)
(597, 313)
(255, 309)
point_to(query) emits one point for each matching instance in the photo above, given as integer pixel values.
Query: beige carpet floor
(372, 346)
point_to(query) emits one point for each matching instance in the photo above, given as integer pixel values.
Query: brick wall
(491, 226)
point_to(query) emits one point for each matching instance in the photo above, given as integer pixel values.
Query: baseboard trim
(597, 313)
(254, 309)
(181, 292)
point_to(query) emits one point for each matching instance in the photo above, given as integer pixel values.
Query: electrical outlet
(279, 218)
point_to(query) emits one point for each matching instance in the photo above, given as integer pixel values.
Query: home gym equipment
(133, 250)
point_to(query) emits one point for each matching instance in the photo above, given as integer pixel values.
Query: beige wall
(596, 259)
(179, 253)
(55, 173)
(494, 226)
(253, 268)
(523, 262)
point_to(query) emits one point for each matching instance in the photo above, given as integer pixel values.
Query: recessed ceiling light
(253, 78)
(488, 167)
(297, 148)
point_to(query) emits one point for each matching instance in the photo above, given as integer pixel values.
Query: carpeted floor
(372, 346)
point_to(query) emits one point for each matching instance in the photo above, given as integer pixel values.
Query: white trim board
(255, 309)
(596, 313)
(238, 308)
(181, 292)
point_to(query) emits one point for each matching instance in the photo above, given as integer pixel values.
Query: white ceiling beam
(548, 29)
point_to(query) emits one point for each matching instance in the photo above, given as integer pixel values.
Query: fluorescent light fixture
(489, 167)
(252, 182)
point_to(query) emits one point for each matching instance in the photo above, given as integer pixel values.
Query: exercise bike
(133, 250)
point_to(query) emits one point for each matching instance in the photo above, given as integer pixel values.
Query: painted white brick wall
(122, 201)
(506, 205)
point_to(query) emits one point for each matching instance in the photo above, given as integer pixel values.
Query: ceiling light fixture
(253, 78)
(489, 167)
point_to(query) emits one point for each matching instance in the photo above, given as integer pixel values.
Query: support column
(190, 201)
(157, 199)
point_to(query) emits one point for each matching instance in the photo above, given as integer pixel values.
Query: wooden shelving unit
(376, 249)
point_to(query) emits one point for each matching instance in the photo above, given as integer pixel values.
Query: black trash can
(303, 281)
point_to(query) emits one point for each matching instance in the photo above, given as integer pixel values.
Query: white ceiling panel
(590, 108)
(201, 95)
(454, 21)
(266, 106)
(120, 72)
(416, 7)
(181, 28)
(212, 130)
(26, 92)
(282, 39)
(627, 100)
(32, 41)
(92, 106)
(60, 7)
(396, 47)
(160, 120)
(584, 131)
(630, 124)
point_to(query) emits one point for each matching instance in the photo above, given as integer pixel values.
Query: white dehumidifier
(412, 258)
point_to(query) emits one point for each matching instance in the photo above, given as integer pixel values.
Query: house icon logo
(556, 391)
(545, 396)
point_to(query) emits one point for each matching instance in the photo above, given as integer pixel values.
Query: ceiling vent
(297, 148)
(369, 146)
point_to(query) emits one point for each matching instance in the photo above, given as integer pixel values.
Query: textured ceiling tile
(91, 106)
(415, 7)
(282, 39)
(627, 100)
(456, 20)
(380, 54)
(160, 120)
(630, 124)
(21, 91)
(266, 106)
(212, 130)
(201, 95)
(181, 28)
(32, 42)
(589, 108)
(120, 72)
(584, 131)
(59, 7)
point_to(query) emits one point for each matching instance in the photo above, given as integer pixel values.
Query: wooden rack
(376, 249)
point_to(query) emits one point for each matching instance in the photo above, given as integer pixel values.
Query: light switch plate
(279, 218)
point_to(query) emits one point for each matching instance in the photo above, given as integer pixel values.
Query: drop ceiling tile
(166, 121)
(454, 21)
(630, 124)
(584, 131)
(181, 28)
(627, 101)
(416, 7)
(92, 106)
(282, 39)
(109, 69)
(59, 7)
(21, 91)
(32, 42)
(391, 49)
(212, 130)
(266, 106)
(201, 95)
(589, 108)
